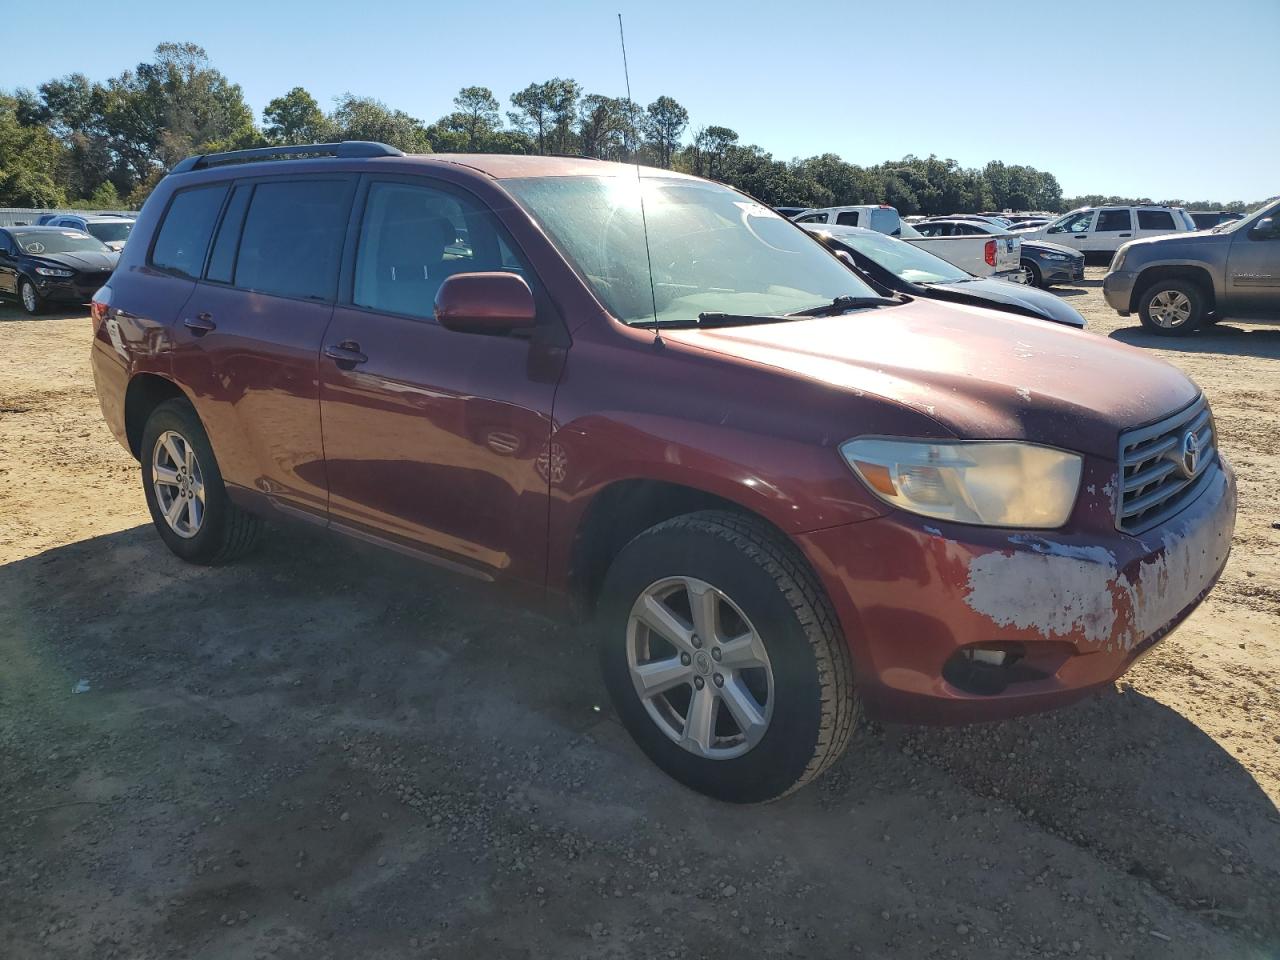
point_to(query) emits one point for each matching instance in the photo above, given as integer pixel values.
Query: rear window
(848, 218)
(1155, 220)
(184, 235)
(1110, 220)
(292, 238)
(885, 220)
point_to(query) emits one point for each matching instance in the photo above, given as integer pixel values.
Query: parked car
(1001, 222)
(1100, 230)
(1208, 219)
(790, 212)
(43, 265)
(897, 265)
(783, 498)
(975, 246)
(1177, 283)
(111, 229)
(1048, 263)
(1028, 223)
(879, 217)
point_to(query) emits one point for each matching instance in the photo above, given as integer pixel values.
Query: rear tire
(773, 638)
(185, 493)
(1171, 308)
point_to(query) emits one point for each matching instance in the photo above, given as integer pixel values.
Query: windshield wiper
(736, 319)
(845, 304)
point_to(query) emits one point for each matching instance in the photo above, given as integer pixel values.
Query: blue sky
(1161, 98)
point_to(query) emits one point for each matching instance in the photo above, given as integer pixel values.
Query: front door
(1253, 268)
(435, 439)
(8, 268)
(1072, 231)
(1110, 232)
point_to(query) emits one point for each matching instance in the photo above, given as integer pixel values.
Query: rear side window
(848, 218)
(292, 238)
(1155, 220)
(1111, 220)
(183, 237)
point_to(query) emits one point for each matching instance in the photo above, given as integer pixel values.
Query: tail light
(99, 306)
(989, 253)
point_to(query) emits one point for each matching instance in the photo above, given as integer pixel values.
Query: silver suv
(1176, 283)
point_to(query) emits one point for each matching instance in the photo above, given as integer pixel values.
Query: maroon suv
(643, 396)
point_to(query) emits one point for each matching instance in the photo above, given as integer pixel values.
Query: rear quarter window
(1155, 220)
(183, 237)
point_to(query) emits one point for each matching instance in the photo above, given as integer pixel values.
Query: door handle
(1126, 234)
(346, 354)
(200, 324)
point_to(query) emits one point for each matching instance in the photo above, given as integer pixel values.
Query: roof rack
(346, 149)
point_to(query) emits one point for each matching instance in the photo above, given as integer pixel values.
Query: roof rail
(345, 149)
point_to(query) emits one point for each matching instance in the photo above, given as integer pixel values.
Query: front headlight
(1117, 261)
(1055, 256)
(54, 272)
(996, 483)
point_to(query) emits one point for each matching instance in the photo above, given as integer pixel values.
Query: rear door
(248, 340)
(1111, 230)
(436, 439)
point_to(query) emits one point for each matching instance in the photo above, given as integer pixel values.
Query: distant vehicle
(111, 229)
(44, 219)
(1177, 283)
(1208, 219)
(976, 247)
(1047, 263)
(1029, 223)
(1105, 229)
(905, 268)
(42, 265)
(976, 217)
(879, 217)
(790, 212)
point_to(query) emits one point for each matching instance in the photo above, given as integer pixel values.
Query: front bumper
(1061, 271)
(1117, 289)
(70, 290)
(913, 596)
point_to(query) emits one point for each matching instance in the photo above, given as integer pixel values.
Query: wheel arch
(145, 392)
(1193, 273)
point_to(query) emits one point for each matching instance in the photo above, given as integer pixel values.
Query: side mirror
(485, 303)
(1264, 229)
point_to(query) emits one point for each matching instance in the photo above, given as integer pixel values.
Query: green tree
(478, 115)
(105, 197)
(604, 127)
(295, 118)
(665, 123)
(545, 112)
(364, 118)
(29, 157)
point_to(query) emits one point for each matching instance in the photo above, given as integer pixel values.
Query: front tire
(723, 658)
(1172, 308)
(1034, 277)
(185, 493)
(29, 297)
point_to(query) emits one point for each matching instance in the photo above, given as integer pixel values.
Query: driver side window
(1077, 223)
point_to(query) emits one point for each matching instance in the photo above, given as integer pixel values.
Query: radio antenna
(644, 222)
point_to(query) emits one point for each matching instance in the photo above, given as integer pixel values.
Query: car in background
(881, 217)
(1208, 219)
(790, 212)
(1048, 263)
(974, 217)
(1028, 223)
(1103, 230)
(43, 265)
(977, 247)
(111, 229)
(902, 267)
(1177, 283)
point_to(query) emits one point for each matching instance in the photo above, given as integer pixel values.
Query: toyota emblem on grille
(1190, 453)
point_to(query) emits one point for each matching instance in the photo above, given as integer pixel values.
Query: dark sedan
(42, 265)
(1048, 263)
(905, 268)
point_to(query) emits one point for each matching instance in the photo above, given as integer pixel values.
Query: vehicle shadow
(1223, 337)
(1068, 291)
(233, 713)
(11, 311)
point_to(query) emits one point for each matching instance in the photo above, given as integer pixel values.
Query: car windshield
(901, 258)
(1231, 226)
(711, 250)
(58, 241)
(107, 232)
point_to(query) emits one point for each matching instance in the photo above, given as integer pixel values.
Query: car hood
(89, 261)
(1051, 247)
(985, 291)
(1187, 238)
(979, 373)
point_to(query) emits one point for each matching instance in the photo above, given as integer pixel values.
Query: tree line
(73, 141)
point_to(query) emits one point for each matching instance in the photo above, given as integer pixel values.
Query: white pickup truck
(984, 254)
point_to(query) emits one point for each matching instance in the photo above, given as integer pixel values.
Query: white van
(1106, 229)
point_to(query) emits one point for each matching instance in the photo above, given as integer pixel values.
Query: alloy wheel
(1170, 309)
(29, 297)
(700, 668)
(178, 483)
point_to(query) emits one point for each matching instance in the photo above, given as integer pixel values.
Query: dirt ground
(327, 752)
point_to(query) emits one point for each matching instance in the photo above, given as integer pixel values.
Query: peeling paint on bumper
(1085, 602)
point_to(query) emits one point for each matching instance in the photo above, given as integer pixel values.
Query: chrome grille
(1155, 482)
